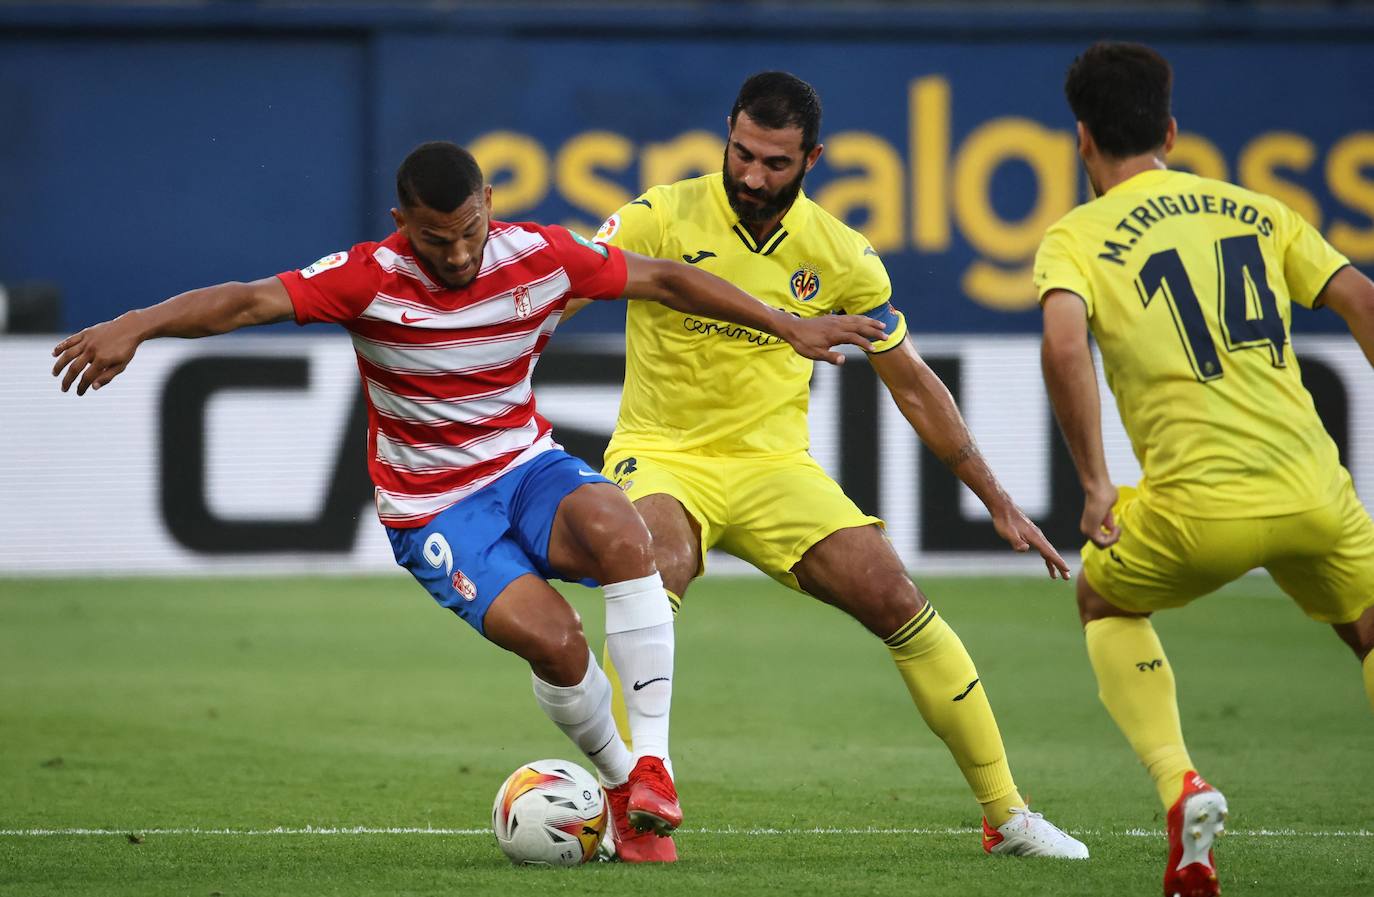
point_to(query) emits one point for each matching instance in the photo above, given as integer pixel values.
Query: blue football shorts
(468, 554)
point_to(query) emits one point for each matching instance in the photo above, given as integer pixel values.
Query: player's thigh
(597, 535)
(857, 570)
(1166, 560)
(464, 557)
(566, 517)
(655, 482)
(780, 509)
(1324, 559)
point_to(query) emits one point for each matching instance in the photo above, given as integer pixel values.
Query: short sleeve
(868, 291)
(1058, 267)
(595, 270)
(1309, 262)
(335, 289)
(637, 226)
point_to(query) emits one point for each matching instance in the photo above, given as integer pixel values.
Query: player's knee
(558, 655)
(621, 547)
(677, 563)
(887, 604)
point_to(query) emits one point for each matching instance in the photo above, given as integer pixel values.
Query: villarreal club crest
(806, 283)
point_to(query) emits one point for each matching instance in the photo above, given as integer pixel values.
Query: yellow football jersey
(697, 384)
(1188, 284)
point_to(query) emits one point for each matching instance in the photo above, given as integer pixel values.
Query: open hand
(97, 354)
(1022, 534)
(815, 337)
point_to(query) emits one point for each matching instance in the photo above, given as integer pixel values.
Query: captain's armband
(893, 321)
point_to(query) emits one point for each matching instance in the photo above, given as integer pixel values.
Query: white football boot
(1028, 834)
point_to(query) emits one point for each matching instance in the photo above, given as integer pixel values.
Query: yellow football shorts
(767, 512)
(1323, 558)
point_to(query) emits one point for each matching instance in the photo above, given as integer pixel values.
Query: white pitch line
(366, 830)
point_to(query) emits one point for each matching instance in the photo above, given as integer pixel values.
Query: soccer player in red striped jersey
(448, 317)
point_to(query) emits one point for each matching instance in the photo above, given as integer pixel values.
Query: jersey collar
(793, 221)
(1143, 179)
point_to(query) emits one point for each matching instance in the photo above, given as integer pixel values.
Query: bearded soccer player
(1187, 283)
(448, 316)
(711, 442)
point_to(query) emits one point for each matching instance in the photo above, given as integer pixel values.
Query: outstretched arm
(698, 292)
(1351, 295)
(96, 355)
(1071, 380)
(928, 406)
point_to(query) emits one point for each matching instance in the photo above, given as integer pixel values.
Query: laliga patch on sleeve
(608, 229)
(333, 260)
(594, 247)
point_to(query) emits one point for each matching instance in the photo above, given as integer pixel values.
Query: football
(549, 813)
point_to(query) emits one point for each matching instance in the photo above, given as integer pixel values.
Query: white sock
(583, 712)
(639, 635)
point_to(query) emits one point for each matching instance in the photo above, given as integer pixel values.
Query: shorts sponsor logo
(464, 586)
(333, 260)
(609, 228)
(523, 306)
(626, 467)
(805, 283)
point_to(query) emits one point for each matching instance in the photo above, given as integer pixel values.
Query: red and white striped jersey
(447, 372)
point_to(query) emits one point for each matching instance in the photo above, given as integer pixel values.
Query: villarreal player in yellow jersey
(1187, 284)
(711, 443)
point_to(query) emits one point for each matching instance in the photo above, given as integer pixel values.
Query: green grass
(248, 704)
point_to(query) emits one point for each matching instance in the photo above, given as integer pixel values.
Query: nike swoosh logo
(406, 319)
(967, 690)
(638, 685)
(701, 256)
(588, 473)
(868, 250)
(642, 202)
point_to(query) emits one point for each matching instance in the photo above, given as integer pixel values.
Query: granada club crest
(523, 306)
(464, 586)
(806, 283)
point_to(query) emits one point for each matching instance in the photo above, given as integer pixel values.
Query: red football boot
(1195, 821)
(653, 798)
(634, 846)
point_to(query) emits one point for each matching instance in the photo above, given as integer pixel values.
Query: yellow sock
(945, 687)
(1369, 676)
(622, 718)
(1136, 684)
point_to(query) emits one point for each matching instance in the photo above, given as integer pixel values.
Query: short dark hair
(779, 100)
(1120, 92)
(438, 175)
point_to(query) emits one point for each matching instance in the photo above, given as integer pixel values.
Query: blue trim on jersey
(886, 315)
(466, 556)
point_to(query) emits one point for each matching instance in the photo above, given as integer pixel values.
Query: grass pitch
(344, 736)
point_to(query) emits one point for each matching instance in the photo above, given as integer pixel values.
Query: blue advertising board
(147, 160)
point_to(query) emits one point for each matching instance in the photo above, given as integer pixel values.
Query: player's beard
(771, 206)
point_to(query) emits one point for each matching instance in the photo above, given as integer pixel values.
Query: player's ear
(1170, 135)
(486, 198)
(399, 217)
(813, 156)
(1085, 141)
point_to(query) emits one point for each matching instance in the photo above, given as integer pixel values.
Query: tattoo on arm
(966, 451)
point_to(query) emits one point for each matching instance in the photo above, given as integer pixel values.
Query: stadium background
(149, 149)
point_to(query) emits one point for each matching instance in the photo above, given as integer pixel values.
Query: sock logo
(1146, 665)
(969, 688)
(638, 685)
